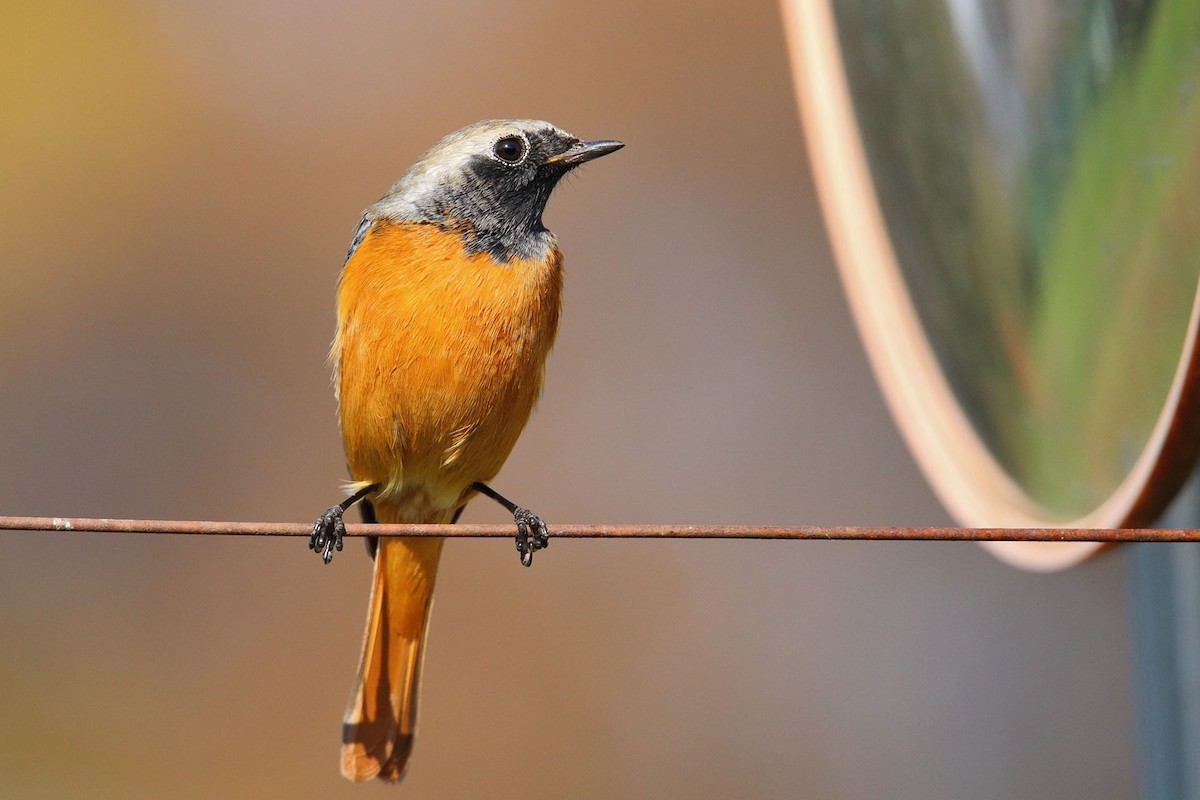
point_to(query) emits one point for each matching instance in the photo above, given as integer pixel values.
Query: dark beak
(580, 152)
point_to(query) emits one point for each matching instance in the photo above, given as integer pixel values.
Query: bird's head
(490, 181)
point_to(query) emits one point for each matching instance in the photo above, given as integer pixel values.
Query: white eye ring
(511, 150)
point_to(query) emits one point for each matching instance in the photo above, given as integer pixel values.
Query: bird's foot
(327, 533)
(531, 534)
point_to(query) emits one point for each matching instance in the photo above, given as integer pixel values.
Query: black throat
(498, 209)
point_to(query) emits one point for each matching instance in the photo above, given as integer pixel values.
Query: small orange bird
(447, 307)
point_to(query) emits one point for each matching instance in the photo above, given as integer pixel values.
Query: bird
(447, 306)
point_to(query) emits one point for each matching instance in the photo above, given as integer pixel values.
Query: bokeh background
(178, 183)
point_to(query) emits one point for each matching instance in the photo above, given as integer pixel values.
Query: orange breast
(439, 360)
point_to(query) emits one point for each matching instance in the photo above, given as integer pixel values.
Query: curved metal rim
(957, 464)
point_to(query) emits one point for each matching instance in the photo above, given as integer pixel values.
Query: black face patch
(489, 183)
(498, 206)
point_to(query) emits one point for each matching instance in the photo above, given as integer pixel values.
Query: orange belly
(439, 358)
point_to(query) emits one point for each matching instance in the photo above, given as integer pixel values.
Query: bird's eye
(510, 149)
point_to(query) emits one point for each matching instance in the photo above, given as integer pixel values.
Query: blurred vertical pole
(1164, 619)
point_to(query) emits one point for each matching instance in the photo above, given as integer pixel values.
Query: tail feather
(381, 718)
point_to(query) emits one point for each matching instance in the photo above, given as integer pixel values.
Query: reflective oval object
(1012, 190)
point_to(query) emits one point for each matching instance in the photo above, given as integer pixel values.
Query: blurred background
(178, 183)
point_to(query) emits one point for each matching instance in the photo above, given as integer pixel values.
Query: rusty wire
(585, 531)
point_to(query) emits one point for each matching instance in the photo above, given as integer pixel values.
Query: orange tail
(377, 731)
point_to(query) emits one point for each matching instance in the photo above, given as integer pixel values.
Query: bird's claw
(327, 533)
(531, 534)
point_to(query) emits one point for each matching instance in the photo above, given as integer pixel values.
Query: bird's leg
(531, 531)
(329, 528)
(368, 517)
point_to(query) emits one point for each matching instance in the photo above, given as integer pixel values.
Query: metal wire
(584, 531)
